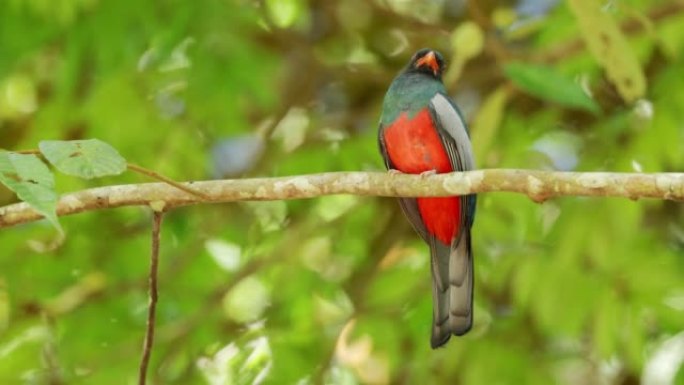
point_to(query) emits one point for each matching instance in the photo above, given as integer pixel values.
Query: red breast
(413, 146)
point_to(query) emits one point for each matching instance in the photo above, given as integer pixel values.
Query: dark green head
(428, 62)
(417, 83)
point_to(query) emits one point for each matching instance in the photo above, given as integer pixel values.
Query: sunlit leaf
(28, 336)
(502, 17)
(487, 122)
(88, 159)
(332, 207)
(548, 84)
(610, 48)
(632, 337)
(665, 364)
(18, 96)
(4, 306)
(291, 130)
(247, 300)
(606, 324)
(671, 36)
(467, 42)
(316, 254)
(285, 12)
(332, 311)
(259, 360)
(32, 181)
(358, 354)
(226, 255)
(73, 296)
(218, 370)
(467, 39)
(271, 215)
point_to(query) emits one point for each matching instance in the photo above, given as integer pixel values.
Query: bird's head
(427, 61)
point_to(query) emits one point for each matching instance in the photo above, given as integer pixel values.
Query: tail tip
(457, 326)
(439, 339)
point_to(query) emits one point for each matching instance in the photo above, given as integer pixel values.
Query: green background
(336, 290)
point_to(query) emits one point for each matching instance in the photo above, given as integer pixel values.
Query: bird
(422, 131)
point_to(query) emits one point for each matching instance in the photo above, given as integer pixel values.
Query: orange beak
(429, 60)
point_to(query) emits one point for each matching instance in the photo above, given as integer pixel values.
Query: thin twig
(537, 185)
(152, 306)
(140, 170)
(31, 151)
(162, 178)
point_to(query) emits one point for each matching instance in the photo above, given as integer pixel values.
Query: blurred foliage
(336, 290)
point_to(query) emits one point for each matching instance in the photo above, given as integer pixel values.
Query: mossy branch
(538, 185)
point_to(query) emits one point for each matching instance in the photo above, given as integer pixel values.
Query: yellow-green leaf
(610, 48)
(4, 306)
(546, 83)
(467, 40)
(487, 121)
(284, 13)
(87, 159)
(32, 181)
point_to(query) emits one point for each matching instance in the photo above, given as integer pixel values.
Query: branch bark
(538, 185)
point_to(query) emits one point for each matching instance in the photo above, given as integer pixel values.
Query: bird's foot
(428, 173)
(393, 171)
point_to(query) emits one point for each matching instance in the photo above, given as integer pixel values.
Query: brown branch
(538, 185)
(152, 307)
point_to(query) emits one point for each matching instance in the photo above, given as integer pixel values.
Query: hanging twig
(153, 295)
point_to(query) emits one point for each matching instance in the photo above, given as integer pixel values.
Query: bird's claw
(393, 171)
(428, 173)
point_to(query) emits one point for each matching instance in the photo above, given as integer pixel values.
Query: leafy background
(336, 290)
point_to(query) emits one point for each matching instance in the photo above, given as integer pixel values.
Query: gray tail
(452, 289)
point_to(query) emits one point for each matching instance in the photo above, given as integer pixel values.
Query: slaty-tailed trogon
(422, 131)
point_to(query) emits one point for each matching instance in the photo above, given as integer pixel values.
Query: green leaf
(607, 321)
(564, 300)
(549, 84)
(284, 13)
(487, 121)
(610, 48)
(32, 181)
(4, 306)
(247, 300)
(525, 281)
(87, 159)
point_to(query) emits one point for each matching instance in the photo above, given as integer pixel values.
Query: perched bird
(422, 131)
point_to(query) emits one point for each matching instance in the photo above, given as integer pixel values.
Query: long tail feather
(452, 289)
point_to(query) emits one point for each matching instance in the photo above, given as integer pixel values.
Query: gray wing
(452, 265)
(454, 135)
(408, 205)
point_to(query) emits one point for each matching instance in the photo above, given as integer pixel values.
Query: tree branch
(538, 185)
